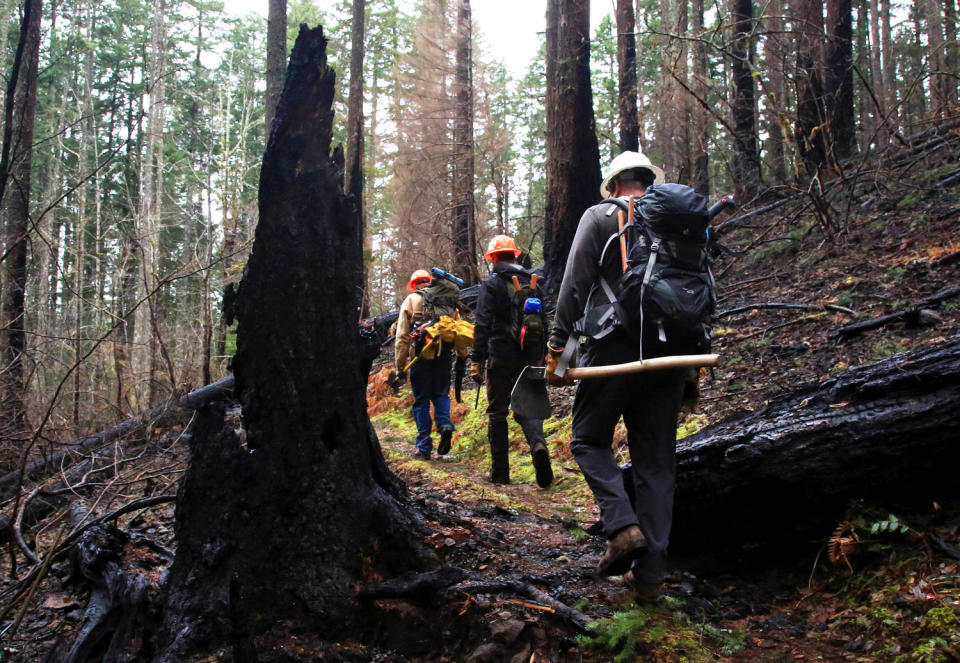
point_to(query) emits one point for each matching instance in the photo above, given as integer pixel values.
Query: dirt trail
(517, 530)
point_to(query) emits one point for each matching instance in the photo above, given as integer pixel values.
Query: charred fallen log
(83, 448)
(124, 573)
(783, 475)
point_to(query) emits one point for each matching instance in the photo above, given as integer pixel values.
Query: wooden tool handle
(657, 363)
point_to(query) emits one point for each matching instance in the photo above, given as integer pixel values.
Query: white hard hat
(628, 161)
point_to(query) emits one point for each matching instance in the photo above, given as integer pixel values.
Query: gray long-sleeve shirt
(580, 288)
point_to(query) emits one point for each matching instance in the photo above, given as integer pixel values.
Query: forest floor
(884, 245)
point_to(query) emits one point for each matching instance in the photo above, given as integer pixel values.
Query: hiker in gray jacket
(649, 402)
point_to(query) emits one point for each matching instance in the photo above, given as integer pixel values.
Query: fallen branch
(783, 305)
(450, 580)
(910, 316)
(575, 617)
(191, 401)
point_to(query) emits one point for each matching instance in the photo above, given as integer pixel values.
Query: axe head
(529, 395)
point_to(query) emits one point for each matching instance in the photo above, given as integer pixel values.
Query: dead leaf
(60, 602)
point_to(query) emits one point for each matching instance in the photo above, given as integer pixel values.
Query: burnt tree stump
(284, 527)
(784, 474)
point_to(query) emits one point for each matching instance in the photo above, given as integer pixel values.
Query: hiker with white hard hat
(637, 533)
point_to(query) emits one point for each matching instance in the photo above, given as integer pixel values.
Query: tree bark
(888, 71)
(353, 175)
(311, 466)
(276, 57)
(775, 51)
(939, 77)
(627, 88)
(811, 143)
(464, 230)
(783, 475)
(839, 78)
(15, 167)
(700, 177)
(573, 155)
(951, 57)
(746, 171)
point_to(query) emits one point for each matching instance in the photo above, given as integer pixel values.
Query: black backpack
(528, 321)
(667, 293)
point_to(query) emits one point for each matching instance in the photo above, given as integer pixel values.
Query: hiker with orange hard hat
(508, 335)
(429, 366)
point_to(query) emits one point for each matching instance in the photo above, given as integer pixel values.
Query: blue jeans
(430, 381)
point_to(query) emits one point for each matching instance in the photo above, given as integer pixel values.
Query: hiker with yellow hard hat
(429, 367)
(509, 333)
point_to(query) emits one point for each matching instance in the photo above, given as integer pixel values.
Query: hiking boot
(500, 470)
(627, 545)
(422, 455)
(541, 464)
(644, 592)
(446, 435)
(499, 451)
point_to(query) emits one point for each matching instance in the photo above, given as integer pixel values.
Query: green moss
(692, 424)
(662, 633)
(909, 200)
(944, 619)
(887, 347)
(845, 298)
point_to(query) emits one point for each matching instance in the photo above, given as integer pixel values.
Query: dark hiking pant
(501, 376)
(649, 404)
(430, 381)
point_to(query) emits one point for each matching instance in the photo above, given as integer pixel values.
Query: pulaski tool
(529, 395)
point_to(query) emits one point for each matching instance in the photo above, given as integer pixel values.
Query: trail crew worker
(637, 534)
(502, 347)
(429, 377)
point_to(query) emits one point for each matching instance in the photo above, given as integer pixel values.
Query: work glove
(552, 359)
(395, 380)
(476, 372)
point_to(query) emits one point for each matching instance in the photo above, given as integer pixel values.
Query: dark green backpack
(440, 298)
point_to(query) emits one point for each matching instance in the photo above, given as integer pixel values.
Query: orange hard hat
(416, 278)
(501, 244)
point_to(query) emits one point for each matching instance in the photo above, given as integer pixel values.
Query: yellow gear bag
(445, 331)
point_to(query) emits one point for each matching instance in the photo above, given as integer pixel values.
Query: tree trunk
(276, 57)
(311, 466)
(839, 78)
(811, 143)
(785, 474)
(464, 229)
(15, 164)
(627, 90)
(353, 182)
(775, 91)
(746, 170)
(951, 58)
(935, 57)
(573, 156)
(700, 177)
(888, 71)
